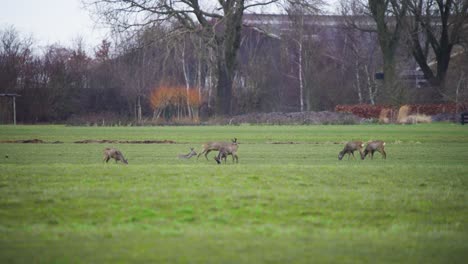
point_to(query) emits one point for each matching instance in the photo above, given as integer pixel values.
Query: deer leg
(352, 153)
(372, 154)
(199, 154)
(384, 155)
(206, 154)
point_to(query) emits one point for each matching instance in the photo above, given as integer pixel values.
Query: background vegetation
(234, 59)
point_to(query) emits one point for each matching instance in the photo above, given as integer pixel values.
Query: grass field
(292, 202)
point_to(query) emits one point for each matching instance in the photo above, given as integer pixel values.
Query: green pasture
(289, 200)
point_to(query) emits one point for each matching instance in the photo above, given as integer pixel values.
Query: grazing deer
(112, 153)
(189, 155)
(212, 146)
(349, 149)
(221, 155)
(373, 146)
(226, 150)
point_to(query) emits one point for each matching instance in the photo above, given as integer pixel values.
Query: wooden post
(14, 110)
(8, 95)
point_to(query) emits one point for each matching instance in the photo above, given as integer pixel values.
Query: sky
(51, 21)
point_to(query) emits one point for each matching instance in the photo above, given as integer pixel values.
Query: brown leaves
(373, 111)
(164, 96)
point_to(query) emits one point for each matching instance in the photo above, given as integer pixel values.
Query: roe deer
(373, 146)
(221, 155)
(349, 149)
(210, 146)
(189, 155)
(226, 150)
(112, 153)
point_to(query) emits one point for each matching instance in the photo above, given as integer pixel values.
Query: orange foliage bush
(176, 96)
(173, 102)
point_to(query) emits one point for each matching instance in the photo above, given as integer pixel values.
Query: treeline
(165, 72)
(60, 83)
(137, 80)
(56, 83)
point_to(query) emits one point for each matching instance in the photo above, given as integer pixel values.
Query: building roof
(279, 23)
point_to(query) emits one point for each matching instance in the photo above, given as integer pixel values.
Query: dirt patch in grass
(90, 141)
(34, 141)
(286, 142)
(293, 142)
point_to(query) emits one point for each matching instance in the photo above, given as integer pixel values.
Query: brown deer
(373, 146)
(221, 155)
(189, 155)
(226, 150)
(349, 149)
(212, 146)
(112, 153)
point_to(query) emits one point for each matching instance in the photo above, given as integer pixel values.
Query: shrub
(375, 111)
(98, 119)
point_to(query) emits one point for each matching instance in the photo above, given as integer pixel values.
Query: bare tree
(296, 15)
(437, 25)
(301, 15)
(15, 67)
(219, 23)
(363, 45)
(389, 18)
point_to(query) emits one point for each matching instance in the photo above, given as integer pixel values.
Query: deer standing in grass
(212, 146)
(189, 155)
(349, 149)
(373, 146)
(226, 150)
(112, 153)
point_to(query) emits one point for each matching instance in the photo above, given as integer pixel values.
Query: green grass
(283, 203)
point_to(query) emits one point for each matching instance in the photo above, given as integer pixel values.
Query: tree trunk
(370, 85)
(228, 44)
(187, 82)
(358, 82)
(389, 36)
(301, 83)
(139, 117)
(224, 90)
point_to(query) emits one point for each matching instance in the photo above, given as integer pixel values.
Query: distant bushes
(406, 114)
(99, 119)
(293, 118)
(375, 111)
(111, 119)
(344, 114)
